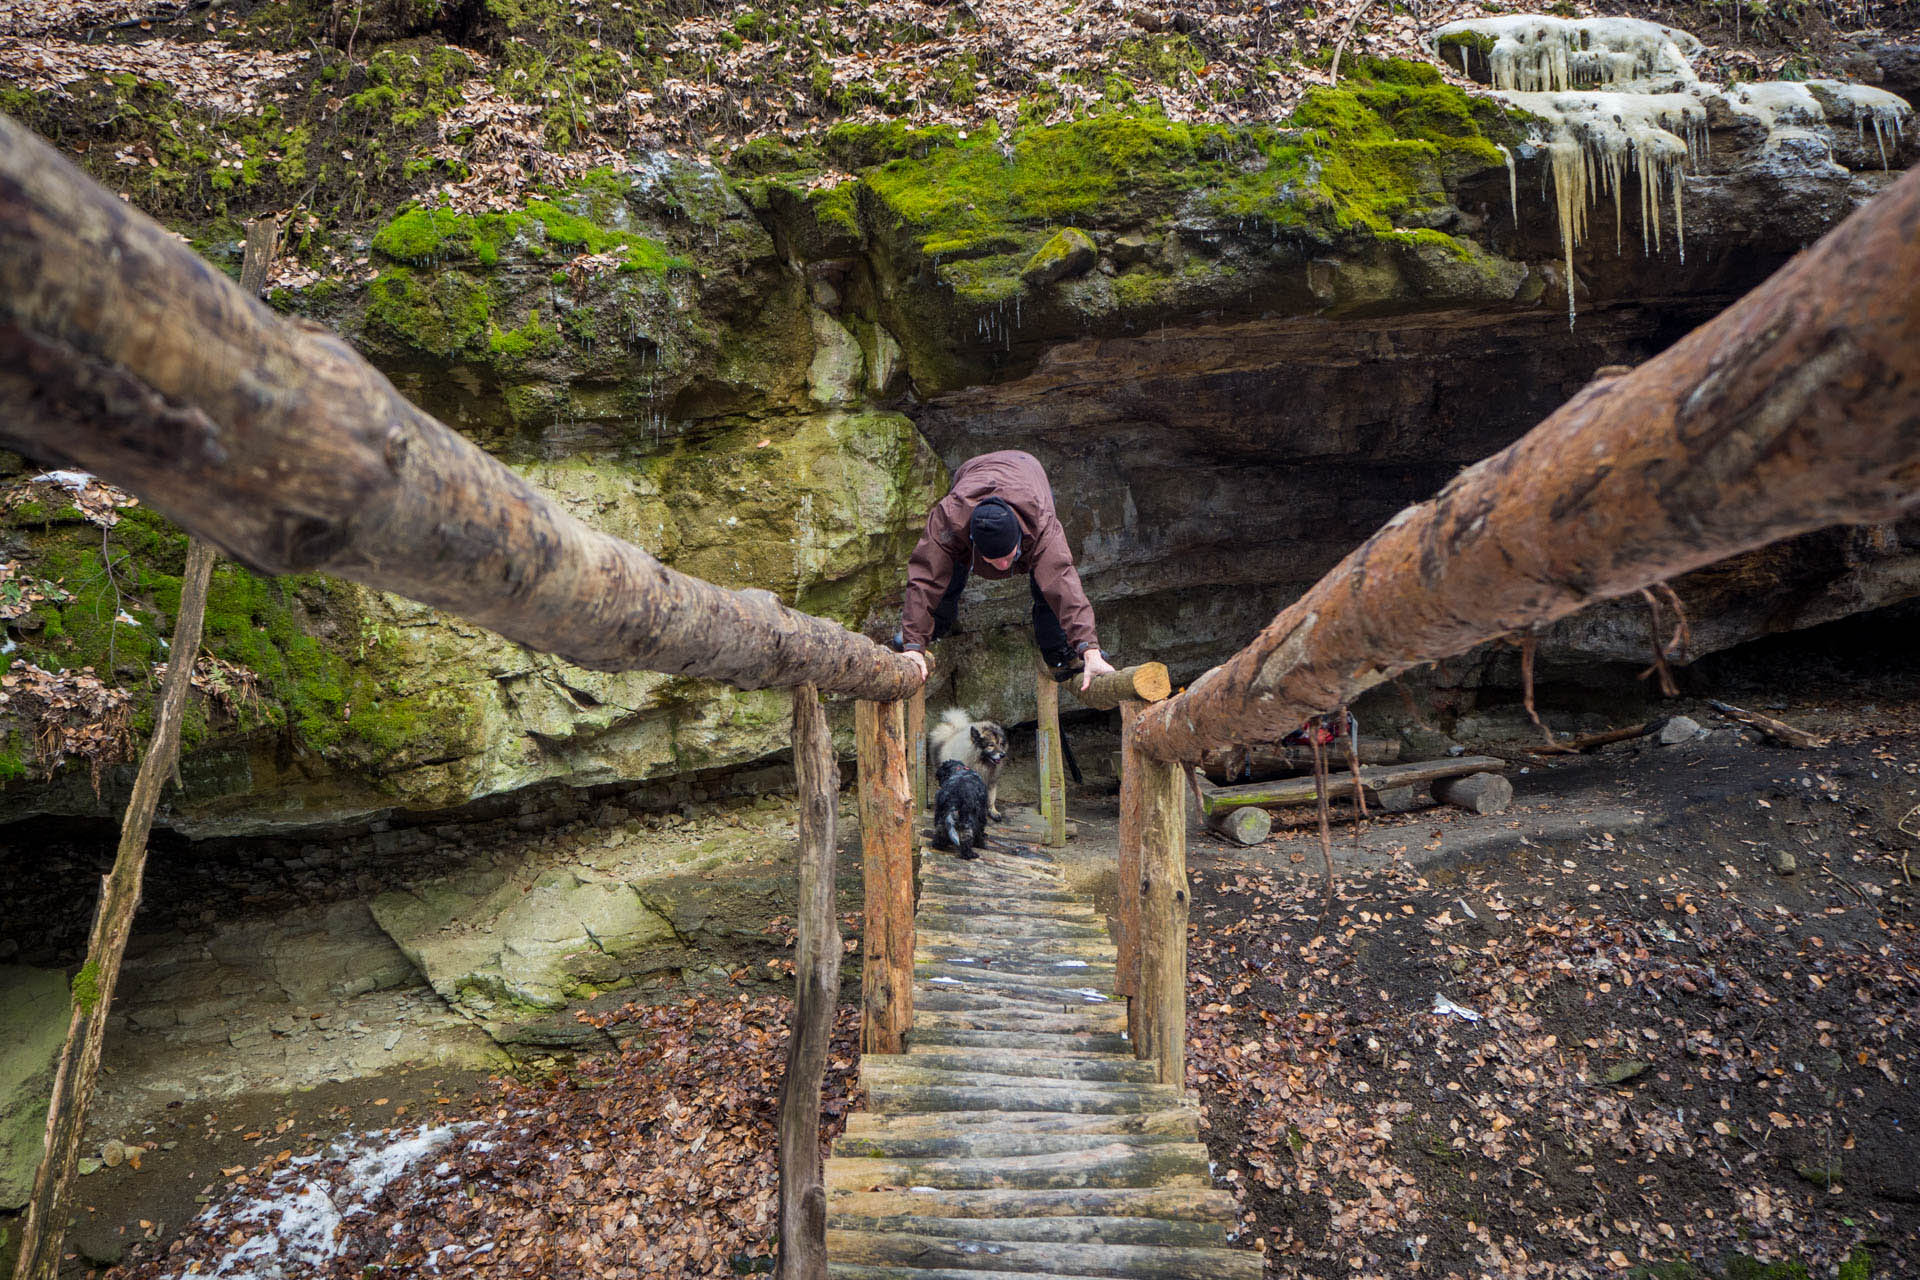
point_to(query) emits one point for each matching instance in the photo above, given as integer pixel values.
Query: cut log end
(1245, 826)
(1476, 793)
(1147, 682)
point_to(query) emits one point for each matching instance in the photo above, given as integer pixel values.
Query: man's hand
(1096, 666)
(920, 660)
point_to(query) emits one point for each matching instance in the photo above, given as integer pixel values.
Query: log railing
(124, 353)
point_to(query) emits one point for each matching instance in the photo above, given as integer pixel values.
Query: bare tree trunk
(1797, 408)
(886, 857)
(123, 353)
(816, 996)
(46, 1219)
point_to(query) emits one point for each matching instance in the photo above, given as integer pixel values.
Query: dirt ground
(1680, 1000)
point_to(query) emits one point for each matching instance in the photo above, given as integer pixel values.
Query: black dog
(960, 810)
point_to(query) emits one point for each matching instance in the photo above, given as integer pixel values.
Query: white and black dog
(960, 810)
(981, 745)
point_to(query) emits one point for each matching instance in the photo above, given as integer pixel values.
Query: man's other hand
(1096, 666)
(920, 660)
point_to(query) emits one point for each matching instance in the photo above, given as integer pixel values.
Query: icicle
(1513, 184)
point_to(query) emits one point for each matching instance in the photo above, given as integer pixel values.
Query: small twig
(1326, 832)
(1350, 740)
(1674, 648)
(1527, 645)
(1333, 76)
(1776, 729)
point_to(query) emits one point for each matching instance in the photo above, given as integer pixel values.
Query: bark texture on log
(1374, 779)
(1797, 408)
(1147, 682)
(886, 858)
(1049, 756)
(1236, 764)
(816, 981)
(124, 353)
(1162, 1035)
(917, 749)
(1476, 793)
(1247, 825)
(46, 1218)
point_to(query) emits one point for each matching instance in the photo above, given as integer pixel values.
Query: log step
(1062, 1230)
(929, 1039)
(990, 1142)
(993, 975)
(1167, 1164)
(929, 1255)
(915, 1066)
(1184, 1204)
(892, 1099)
(1180, 1122)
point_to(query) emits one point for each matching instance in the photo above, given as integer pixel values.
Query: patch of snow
(293, 1224)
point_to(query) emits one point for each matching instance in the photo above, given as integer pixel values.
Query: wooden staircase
(1019, 1134)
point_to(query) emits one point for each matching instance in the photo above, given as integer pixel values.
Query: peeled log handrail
(1797, 408)
(1147, 682)
(123, 352)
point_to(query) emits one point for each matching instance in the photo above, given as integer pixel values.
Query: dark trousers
(1047, 632)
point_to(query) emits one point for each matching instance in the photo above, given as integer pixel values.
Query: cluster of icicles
(1620, 98)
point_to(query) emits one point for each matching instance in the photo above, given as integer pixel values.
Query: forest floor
(1604, 1031)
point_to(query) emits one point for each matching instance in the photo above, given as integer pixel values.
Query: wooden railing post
(917, 749)
(1126, 975)
(886, 859)
(1049, 756)
(816, 982)
(1159, 1009)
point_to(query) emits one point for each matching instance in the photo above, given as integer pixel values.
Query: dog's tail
(961, 844)
(953, 722)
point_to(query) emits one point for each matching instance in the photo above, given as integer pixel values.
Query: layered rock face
(1238, 350)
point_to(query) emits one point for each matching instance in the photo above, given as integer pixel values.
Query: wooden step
(935, 890)
(1062, 1230)
(929, 1255)
(1000, 961)
(939, 944)
(945, 998)
(1111, 1018)
(986, 926)
(1084, 1099)
(1114, 1067)
(968, 944)
(980, 1145)
(1185, 1204)
(989, 977)
(974, 904)
(943, 1040)
(1181, 1121)
(1167, 1164)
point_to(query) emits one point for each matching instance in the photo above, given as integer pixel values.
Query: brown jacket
(1018, 480)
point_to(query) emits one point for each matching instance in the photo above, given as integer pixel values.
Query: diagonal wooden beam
(123, 352)
(1797, 408)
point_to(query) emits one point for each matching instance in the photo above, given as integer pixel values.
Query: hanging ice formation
(1617, 100)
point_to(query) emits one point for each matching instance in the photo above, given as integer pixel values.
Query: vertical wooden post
(46, 1219)
(886, 858)
(917, 749)
(1161, 1037)
(1126, 980)
(1047, 753)
(816, 994)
